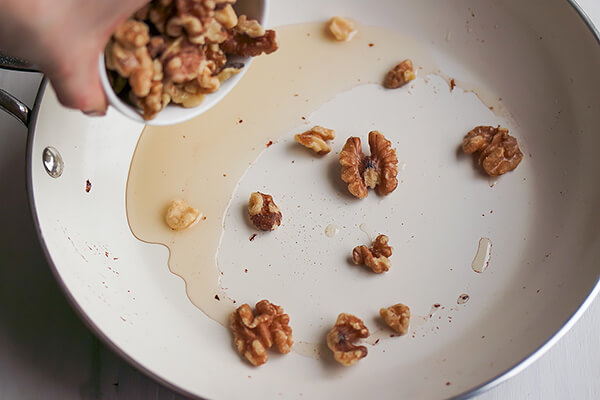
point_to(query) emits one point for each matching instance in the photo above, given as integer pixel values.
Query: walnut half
(377, 171)
(255, 332)
(263, 211)
(341, 339)
(498, 151)
(375, 257)
(316, 139)
(396, 317)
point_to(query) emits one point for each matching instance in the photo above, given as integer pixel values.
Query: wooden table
(47, 353)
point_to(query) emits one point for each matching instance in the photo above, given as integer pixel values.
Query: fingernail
(95, 113)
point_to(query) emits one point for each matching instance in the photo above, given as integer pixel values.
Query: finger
(78, 86)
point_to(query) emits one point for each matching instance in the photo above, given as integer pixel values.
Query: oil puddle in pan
(203, 160)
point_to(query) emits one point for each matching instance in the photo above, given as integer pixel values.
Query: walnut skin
(254, 334)
(396, 317)
(400, 75)
(375, 257)
(341, 339)
(264, 213)
(498, 151)
(377, 171)
(191, 40)
(315, 139)
(180, 215)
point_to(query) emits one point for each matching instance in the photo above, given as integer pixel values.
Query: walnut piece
(180, 215)
(264, 213)
(316, 138)
(240, 44)
(255, 332)
(396, 317)
(341, 339)
(400, 75)
(250, 27)
(191, 40)
(498, 151)
(377, 171)
(375, 257)
(342, 29)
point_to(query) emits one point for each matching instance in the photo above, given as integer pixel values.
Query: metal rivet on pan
(53, 162)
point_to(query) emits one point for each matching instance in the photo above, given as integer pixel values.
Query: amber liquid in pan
(202, 160)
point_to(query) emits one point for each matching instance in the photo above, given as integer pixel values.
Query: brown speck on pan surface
(269, 143)
(217, 297)
(252, 237)
(371, 45)
(88, 186)
(452, 84)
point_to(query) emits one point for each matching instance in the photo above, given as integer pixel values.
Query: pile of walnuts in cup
(177, 51)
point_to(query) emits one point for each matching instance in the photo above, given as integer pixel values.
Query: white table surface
(47, 353)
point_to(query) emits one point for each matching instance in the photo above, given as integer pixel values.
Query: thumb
(78, 86)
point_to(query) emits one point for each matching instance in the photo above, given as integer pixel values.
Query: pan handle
(14, 107)
(8, 102)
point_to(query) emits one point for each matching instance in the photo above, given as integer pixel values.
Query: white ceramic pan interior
(540, 57)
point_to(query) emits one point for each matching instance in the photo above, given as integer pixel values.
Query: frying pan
(540, 57)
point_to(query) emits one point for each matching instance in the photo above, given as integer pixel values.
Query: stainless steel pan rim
(30, 122)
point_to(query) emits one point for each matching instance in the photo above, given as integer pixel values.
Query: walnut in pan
(316, 139)
(342, 339)
(396, 317)
(498, 152)
(264, 213)
(400, 75)
(342, 29)
(375, 257)
(255, 332)
(377, 171)
(180, 215)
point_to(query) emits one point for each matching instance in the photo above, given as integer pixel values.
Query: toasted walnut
(263, 211)
(375, 257)
(342, 29)
(396, 317)
(255, 332)
(132, 34)
(315, 139)
(152, 103)
(341, 339)
(180, 215)
(400, 75)
(250, 27)
(499, 152)
(156, 46)
(242, 45)
(377, 171)
(127, 54)
(215, 33)
(176, 26)
(227, 16)
(227, 73)
(179, 95)
(183, 61)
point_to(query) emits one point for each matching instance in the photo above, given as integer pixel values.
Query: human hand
(64, 38)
